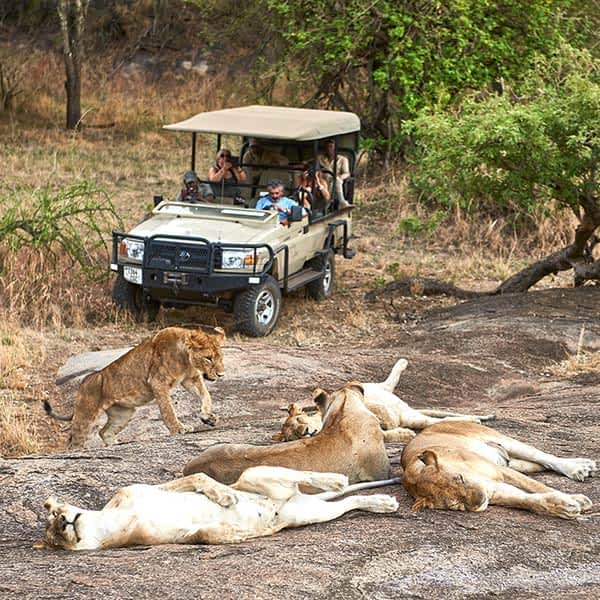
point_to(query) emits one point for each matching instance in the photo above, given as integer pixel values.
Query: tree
(72, 15)
(388, 59)
(535, 151)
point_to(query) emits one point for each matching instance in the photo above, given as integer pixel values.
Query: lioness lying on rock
(350, 442)
(149, 371)
(465, 466)
(199, 510)
(396, 417)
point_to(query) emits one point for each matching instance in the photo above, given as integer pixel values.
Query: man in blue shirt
(275, 200)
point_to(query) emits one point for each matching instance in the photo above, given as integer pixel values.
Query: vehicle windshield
(207, 211)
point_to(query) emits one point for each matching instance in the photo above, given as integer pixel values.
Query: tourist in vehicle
(193, 191)
(311, 189)
(276, 200)
(336, 164)
(257, 154)
(225, 176)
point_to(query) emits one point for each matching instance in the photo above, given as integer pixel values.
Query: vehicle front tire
(256, 309)
(323, 287)
(128, 296)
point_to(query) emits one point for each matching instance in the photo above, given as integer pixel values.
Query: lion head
(63, 526)
(437, 482)
(298, 424)
(205, 352)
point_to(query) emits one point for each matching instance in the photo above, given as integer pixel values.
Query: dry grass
(18, 428)
(580, 362)
(21, 351)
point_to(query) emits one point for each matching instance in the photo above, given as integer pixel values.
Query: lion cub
(149, 371)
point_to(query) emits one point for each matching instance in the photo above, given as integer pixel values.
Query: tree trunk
(577, 256)
(72, 15)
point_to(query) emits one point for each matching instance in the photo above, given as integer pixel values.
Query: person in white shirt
(336, 164)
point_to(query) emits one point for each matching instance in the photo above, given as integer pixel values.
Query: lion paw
(382, 503)
(562, 505)
(225, 498)
(209, 420)
(584, 502)
(579, 469)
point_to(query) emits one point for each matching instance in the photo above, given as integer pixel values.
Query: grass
(579, 362)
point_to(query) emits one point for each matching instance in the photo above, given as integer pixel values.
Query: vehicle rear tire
(256, 309)
(128, 296)
(322, 288)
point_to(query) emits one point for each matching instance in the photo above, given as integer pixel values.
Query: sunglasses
(224, 155)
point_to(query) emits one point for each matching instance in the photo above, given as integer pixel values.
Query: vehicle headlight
(238, 259)
(131, 250)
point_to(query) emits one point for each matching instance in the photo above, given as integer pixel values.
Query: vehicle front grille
(171, 256)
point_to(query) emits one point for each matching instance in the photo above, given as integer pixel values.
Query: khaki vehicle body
(225, 251)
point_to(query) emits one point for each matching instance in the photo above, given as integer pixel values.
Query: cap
(189, 177)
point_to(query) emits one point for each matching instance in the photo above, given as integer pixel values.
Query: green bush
(75, 222)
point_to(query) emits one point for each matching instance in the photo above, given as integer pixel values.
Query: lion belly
(162, 517)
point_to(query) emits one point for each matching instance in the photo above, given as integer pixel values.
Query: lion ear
(320, 397)
(430, 458)
(356, 386)
(294, 409)
(219, 333)
(51, 503)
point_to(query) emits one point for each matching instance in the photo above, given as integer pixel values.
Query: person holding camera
(311, 189)
(193, 192)
(225, 175)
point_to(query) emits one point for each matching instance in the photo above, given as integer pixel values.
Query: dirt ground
(479, 356)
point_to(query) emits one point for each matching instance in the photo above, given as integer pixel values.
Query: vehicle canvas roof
(272, 122)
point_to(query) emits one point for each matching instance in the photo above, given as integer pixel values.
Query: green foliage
(414, 224)
(517, 151)
(389, 59)
(75, 221)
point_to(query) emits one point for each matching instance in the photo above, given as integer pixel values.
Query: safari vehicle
(226, 252)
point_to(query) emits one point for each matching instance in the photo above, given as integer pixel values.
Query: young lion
(148, 371)
(466, 466)
(199, 510)
(396, 417)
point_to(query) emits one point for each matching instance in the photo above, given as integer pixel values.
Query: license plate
(176, 278)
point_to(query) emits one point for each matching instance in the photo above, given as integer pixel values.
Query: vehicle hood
(214, 230)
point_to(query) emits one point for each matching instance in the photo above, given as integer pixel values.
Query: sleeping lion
(466, 466)
(199, 510)
(148, 371)
(396, 418)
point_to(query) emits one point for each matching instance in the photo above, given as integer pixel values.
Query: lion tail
(392, 381)
(50, 411)
(363, 485)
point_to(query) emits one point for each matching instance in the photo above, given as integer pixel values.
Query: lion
(199, 510)
(148, 371)
(350, 442)
(300, 422)
(466, 466)
(396, 417)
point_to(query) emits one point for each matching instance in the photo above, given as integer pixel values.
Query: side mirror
(157, 200)
(296, 214)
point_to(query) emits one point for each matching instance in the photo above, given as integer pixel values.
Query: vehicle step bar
(302, 278)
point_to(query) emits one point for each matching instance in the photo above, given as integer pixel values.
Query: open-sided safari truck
(224, 251)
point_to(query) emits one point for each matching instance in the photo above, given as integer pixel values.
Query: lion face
(63, 526)
(440, 484)
(205, 353)
(299, 424)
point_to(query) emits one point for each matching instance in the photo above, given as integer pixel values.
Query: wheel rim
(327, 277)
(265, 307)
